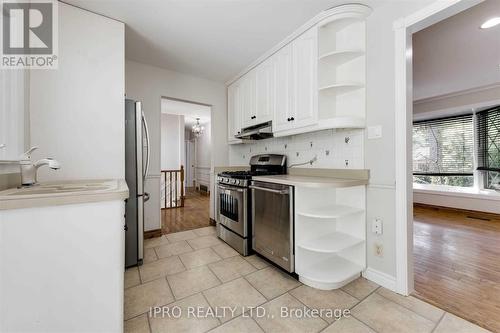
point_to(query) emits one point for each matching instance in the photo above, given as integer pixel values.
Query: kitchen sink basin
(63, 193)
(61, 188)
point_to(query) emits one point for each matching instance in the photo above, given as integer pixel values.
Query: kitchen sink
(61, 188)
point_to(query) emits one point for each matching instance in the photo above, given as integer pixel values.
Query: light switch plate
(374, 132)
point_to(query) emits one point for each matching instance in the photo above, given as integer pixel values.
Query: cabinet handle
(288, 119)
(253, 117)
(292, 119)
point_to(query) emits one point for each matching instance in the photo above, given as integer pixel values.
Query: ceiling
(214, 39)
(190, 111)
(455, 54)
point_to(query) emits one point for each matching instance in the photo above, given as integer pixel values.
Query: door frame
(404, 28)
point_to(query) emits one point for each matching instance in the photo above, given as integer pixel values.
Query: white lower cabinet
(264, 92)
(57, 261)
(330, 235)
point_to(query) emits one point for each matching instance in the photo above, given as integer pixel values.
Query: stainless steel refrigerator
(137, 153)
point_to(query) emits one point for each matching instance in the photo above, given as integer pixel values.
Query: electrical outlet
(377, 226)
(378, 250)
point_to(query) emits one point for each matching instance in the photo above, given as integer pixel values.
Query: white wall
(77, 111)
(380, 153)
(148, 84)
(455, 55)
(172, 141)
(203, 148)
(14, 108)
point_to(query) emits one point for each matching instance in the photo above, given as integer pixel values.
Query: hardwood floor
(195, 214)
(457, 263)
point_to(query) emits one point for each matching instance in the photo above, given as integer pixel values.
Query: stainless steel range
(234, 200)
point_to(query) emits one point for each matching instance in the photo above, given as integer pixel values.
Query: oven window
(229, 206)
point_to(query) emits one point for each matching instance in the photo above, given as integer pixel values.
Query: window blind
(488, 131)
(443, 147)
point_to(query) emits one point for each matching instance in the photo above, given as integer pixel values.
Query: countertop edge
(314, 182)
(119, 194)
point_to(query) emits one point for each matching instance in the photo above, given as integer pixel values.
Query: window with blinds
(443, 151)
(488, 138)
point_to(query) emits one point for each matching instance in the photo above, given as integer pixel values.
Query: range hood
(256, 132)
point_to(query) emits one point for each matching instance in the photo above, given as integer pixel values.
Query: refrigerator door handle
(148, 148)
(140, 229)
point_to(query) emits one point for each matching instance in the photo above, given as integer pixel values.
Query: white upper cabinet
(234, 112)
(248, 99)
(305, 93)
(13, 113)
(313, 80)
(296, 87)
(231, 112)
(264, 96)
(283, 89)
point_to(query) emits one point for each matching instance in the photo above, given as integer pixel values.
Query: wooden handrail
(173, 188)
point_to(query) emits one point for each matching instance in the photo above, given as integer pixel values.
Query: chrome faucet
(29, 169)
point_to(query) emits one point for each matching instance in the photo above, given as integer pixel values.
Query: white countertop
(64, 193)
(311, 181)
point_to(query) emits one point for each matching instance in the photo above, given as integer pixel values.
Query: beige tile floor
(195, 269)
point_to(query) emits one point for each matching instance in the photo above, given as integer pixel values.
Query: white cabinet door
(13, 110)
(231, 112)
(264, 96)
(234, 111)
(283, 85)
(305, 59)
(248, 99)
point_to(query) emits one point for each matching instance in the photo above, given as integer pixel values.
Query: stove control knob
(235, 181)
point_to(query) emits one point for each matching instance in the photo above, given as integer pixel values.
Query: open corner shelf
(341, 87)
(331, 243)
(330, 212)
(340, 57)
(333, 272)
(340, 23)
(342, 122)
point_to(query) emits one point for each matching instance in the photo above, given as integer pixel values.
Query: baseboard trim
(152, 233)
(475, 213)
(380, 278)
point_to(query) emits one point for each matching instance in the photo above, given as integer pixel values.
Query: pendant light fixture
(197, 128)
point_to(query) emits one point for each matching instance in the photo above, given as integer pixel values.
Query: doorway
(446, 233)
(185, 155)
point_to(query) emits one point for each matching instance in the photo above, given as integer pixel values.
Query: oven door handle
(231, 188)
(269, 190)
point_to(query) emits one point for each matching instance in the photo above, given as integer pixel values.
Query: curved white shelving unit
(336, 23)
(331, 273)
(342, 122)
(339, 57)
(341, 87)
(331, 243)
(330, 212)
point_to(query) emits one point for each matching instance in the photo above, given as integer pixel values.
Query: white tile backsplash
(339, 149)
